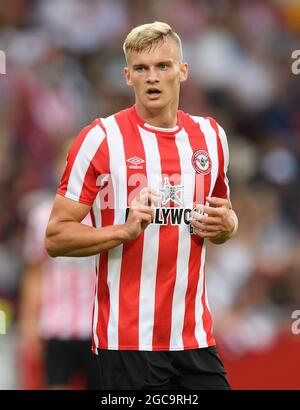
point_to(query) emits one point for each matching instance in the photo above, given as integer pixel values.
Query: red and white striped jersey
(151, 292)
(67, 284)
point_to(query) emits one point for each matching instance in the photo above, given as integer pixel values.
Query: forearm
(72, 238)
(225, 236)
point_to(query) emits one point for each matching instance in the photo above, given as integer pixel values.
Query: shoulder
(202, 119)
(89, 138)
(207, 124)
(215, 126)
(95, 127)
(100, 124)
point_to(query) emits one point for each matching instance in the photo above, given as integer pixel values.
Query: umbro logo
(135, 160)
(136, 163)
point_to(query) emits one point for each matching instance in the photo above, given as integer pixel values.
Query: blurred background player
(55, 307)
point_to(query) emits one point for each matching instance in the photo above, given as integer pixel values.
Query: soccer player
(154, 180)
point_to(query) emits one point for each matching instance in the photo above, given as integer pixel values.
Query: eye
(163, 66)
(139, 69)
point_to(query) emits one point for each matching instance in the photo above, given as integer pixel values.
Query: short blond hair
(146, 36)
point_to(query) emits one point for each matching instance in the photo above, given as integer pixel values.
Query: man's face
(156, 75)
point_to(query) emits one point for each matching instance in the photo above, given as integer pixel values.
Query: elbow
(51, 248)
(51, 242)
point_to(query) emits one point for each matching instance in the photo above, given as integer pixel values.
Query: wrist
(226, 235)
(234, 229)
(122, 233)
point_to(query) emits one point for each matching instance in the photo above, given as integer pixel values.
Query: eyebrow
(159, 62)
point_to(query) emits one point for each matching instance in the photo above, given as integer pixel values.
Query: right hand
(141, 212)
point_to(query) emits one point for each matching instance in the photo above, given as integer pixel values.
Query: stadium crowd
(64, 66)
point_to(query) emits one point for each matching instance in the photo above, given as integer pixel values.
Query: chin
(154, 104)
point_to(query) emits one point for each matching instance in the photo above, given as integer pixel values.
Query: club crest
(201, 162)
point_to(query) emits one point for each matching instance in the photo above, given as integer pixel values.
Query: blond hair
(145, 36)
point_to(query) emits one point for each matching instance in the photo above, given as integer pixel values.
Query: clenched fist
(217, 222)
(141, 212)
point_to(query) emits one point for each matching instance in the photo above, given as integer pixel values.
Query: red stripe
(107, 218)
(206, 316)
(188, 334)
(130, 276)
(168, 249)
(220, 188)
(202, 188)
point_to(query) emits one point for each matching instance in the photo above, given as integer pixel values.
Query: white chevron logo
(135, 160)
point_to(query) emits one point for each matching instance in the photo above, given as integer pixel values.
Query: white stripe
(200, 333)
(224, 143)
(212, 147)
(184, 241)
(151, 246)
(83, 159)
(98, 222)
(119, 181)
(97, 211)
(95, 318)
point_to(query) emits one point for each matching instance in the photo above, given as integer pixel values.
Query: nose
(152, 76)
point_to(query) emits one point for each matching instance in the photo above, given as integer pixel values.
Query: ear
(127, 76)
(184, 70)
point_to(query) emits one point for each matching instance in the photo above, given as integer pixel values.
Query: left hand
(218, 223)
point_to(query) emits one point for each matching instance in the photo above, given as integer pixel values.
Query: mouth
(153, 93)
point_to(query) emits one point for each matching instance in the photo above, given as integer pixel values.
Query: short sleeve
(221, 188)
(79, 180)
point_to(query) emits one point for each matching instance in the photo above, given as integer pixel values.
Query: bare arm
(66, 236)
(220, 223)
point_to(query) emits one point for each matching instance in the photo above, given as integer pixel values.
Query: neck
(163, 118)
